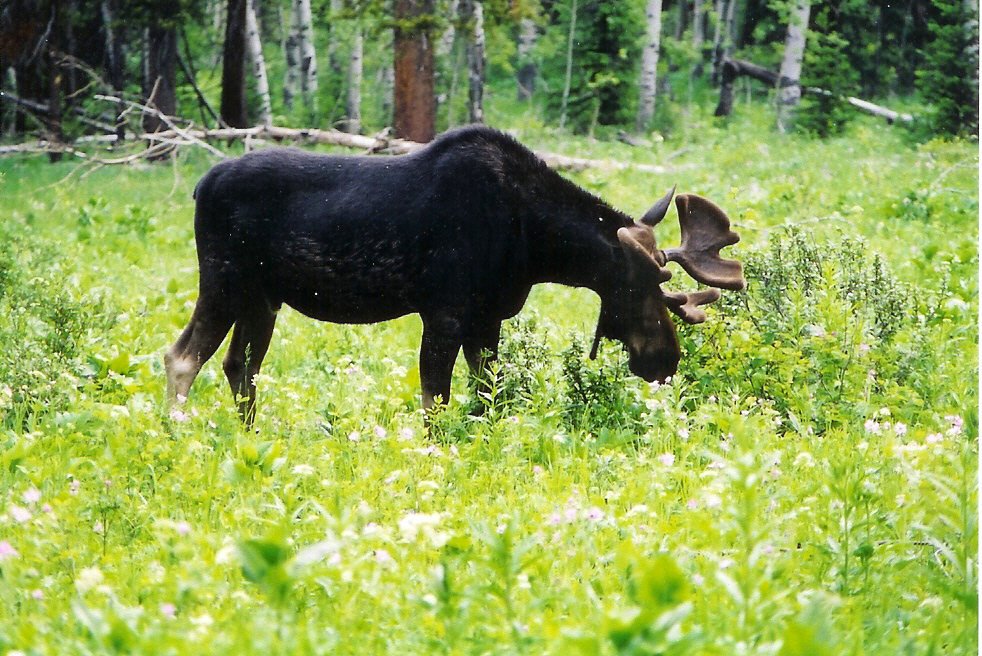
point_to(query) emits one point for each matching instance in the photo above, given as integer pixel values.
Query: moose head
(637, 313)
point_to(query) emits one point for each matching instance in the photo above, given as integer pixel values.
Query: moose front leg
(437, 355)
(480, 350)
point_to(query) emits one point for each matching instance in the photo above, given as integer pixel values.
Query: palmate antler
(705, 230)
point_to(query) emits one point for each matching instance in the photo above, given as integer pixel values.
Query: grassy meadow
(807, 484)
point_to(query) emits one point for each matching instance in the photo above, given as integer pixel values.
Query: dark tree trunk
(161, 82)
(113, 58)
(54, 126)
(234, 110)
(730, 71)
(415, 102)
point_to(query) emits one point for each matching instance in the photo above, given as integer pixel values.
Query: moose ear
(658, 210)
(705, 230)
(642, 257)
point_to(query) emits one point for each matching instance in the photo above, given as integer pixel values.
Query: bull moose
(457, 232)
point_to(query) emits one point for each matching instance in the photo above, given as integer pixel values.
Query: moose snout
(654, 368)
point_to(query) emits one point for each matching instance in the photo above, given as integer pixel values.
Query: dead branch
(733, 68)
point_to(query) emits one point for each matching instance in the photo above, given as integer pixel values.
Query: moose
(458, 232)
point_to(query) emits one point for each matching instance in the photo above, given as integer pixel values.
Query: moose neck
(573, 240)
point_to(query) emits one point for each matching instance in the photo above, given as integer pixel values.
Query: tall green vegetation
(606, 46)
(950, 77)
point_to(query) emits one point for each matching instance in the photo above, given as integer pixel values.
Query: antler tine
(685, 305)
(657, 212)
(705, 230)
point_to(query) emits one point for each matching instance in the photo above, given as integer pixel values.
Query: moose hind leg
(247, 348)
(197, 343)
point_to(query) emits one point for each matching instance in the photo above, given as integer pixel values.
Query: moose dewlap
(457, 232)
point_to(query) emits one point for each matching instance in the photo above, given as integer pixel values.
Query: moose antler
(685, 305)
(705, 230)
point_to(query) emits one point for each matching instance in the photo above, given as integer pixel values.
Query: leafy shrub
(595, 395)
(827, 68)
(823, 330)
(42, 327)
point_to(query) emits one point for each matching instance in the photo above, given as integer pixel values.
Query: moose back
(457, 232)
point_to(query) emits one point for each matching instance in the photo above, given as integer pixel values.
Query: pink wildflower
(168, 609)
(7, 550)
(20, 514)
(31, 496)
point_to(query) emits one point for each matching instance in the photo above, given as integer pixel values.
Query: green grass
(807, 484)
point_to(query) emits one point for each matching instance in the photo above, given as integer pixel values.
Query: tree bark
(308, 55)
(54, 124)
(723, 36)
(789, 88)
(291, 52)
(698, 34)
(258, 64)
(473, 13)
(233, 109)
(415, 102)
(355, 74)
(161, 80)
(114, 57)
(649, 66)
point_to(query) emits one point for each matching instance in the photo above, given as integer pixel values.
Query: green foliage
(808, 483)
(826, 67)
(606, 45)
(949, 79)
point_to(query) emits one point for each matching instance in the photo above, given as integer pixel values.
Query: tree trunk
(569, 65)
(472, 11)
(789, 89)
(723, 36)
(54, 126)
(291, 51)
(415, 102)
(234, 111)
(333, 38)
(161, 79)
(355, 74)
(527, 70)
(649, 66)
(258, 63)
(114, 59)
(308, 56)
(698, 34)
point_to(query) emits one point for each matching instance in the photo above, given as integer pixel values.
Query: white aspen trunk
(255, 46)
(788, 79)
(649, 66)
(444, 47)
(698, 33)
(569, 65)
(476, 63)
(308, 56)
(355, 74)
(291, 50)
(527, 70)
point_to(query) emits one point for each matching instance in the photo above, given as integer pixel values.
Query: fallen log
(734, 68)
(379, 144)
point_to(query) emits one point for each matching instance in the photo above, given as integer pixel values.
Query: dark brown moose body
(457, 232)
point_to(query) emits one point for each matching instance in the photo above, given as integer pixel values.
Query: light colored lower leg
(181, 372)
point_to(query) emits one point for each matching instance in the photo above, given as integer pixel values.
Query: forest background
(806, 485)
(423, 65)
